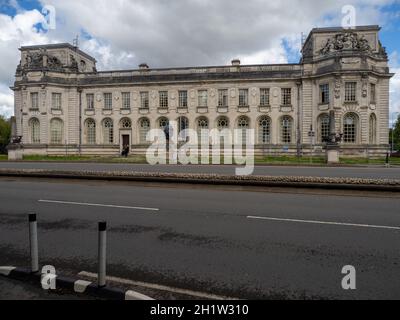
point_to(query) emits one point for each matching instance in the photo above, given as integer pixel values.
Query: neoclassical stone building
(64, 105)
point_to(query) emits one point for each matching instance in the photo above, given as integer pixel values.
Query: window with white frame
(144, 128)
(163, 96)
(264, 97)
(144, 100)
(183, 124)
(90, 101)
(264, 130)
(350, 92)
(35, 130)
(286, 129)
(350, 127)
(90, 126)
(56, 131)
(126, 123)
(126, 100)
(222, 98)
(372, 129)
(243, 126)
(56, 101)
(223, 123)
(324, 127)
(183, 99)
(108, 131)
(202, 129)
(286, 96)
(108, 101)
(163, 123)
(203, 98)
(34, 100)
(324, 94)
(243, 97)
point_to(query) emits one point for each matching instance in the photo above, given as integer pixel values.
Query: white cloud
(394, 85)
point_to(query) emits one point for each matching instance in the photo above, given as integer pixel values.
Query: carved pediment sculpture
(346, 41)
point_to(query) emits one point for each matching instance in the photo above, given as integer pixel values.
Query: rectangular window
(56, 101)
(243, 97)
(34, 100)
(183, 101)
(90, 101)
(203, 98)
(351, 91)
(373, 93)
(108, 101)
(163, 95)
(324, 93)
(144, 100)
(264, 97)
(223, 98)
(126, 100)
(287, 96)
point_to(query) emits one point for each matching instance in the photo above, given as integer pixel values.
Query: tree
(395, 133)
(5, 133)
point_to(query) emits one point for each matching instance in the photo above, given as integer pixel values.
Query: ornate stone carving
(346, 41)
(38, 60)
(338, 88)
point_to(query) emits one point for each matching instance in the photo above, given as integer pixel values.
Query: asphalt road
(343, 172)
(202, 239)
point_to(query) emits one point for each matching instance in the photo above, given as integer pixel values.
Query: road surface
(343, 172)
(236, 242)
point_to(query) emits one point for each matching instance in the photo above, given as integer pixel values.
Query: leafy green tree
(395, 133)
(5, 133)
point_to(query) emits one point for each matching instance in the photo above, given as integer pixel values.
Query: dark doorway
(125, 141)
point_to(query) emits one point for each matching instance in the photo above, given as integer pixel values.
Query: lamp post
(393, 127)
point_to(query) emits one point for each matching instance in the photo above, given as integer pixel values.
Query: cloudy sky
(166, 33)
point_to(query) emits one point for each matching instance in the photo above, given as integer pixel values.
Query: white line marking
(98, 205)
(325, 222)
(201, 295)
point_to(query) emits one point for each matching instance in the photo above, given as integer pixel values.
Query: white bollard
(33, 240)
(102, 254)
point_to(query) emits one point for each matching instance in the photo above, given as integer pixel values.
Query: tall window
(372, 129)
(90, 101)
(144, 100)
(223, 98)
(108, 101)
(350, 128)
(324, 129)
(243, 97)
(144, 128)
(56, 129)
(264, 97)
(264, 130)
(183, 99)
(351, 91)
(56, 101)
(126, 100)
(34, 100)
(286, 96)
(243, 125)
(286, 129)
(203, 98)
(35, 130)
(324, 94)
(373, 93)
(108, 131)
(202, 126)
(163, 95)
(90, 126)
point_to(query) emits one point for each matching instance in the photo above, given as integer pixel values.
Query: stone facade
(64, 105)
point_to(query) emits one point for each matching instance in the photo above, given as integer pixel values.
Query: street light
(393, 127)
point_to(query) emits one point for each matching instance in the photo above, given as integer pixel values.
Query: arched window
(223, 123)
(264, 130)
(90, 126)
(35, 130)
(163, 122)
(108, 131)
(324, 129)
(243, 125)
(350, 127)
(286, 129)
(183, 124)
(126, 123)
(202, 127)
(372, 129)
(56, 131)
(144, 128)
